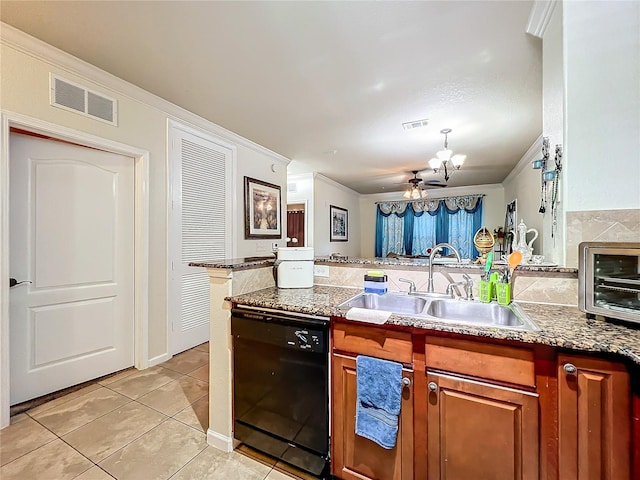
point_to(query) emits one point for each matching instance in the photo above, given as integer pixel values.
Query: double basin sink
(447, 310)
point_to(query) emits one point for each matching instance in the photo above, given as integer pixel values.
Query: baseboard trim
(159, 359)
(219, 441)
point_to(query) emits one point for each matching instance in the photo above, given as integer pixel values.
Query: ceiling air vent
(76, 98)
(415, 124)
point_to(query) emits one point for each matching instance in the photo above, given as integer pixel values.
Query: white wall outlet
(274, 246)
(321, 271)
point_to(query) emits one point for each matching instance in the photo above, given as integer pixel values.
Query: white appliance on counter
(295, 267)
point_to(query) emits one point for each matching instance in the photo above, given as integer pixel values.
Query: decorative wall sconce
(554, 190)
(552, 176)
(542, 166)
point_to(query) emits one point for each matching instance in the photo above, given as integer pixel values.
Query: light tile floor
(133, 425)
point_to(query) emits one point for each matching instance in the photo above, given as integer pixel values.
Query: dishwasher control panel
(304, 339)
(285, 331)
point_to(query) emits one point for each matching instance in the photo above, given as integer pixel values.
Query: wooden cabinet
(479, 430)
(354, 457)
(594, 419)
(486, 410)
(482, 411)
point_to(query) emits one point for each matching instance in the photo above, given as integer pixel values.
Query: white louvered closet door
(201, 226)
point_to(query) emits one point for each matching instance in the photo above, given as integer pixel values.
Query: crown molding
(25, 43)
(533, 153)
(539, 17)
(333, 183)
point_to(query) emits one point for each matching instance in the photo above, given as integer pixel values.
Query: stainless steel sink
(446, 310)
(488, 314)
(390, 302)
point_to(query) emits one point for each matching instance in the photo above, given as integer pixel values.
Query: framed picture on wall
(338, 224)
(262, 209)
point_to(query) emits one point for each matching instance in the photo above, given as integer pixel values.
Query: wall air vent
(76, 98)
(415, 124)
(292, 187)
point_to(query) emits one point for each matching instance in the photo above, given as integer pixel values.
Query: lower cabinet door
(593, 419)
(480, 431)
(355, 457)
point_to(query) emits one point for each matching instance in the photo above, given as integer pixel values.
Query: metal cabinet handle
(433, 386)
(406, 381)
(569, 368)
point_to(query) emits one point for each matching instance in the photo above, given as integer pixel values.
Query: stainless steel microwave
(609, 280)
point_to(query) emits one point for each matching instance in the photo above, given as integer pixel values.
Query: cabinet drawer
(372, 341)
(492, 362)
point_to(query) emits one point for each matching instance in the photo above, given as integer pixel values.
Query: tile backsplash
(600, 226)
(559, 289)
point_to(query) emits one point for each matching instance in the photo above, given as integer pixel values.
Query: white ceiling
(326, 84)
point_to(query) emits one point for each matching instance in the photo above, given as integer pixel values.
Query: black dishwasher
(280, 386)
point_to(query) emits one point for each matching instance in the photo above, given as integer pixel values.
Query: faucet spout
(435, 249)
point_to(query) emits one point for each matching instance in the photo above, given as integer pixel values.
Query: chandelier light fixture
(445, 162)
(415, 190)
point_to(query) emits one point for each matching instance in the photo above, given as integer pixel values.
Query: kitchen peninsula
(446, 361)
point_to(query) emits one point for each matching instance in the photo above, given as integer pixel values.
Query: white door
(200, 225)
(72, 236)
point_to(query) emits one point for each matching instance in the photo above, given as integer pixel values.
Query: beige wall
(602, 94)
(523, 185)
(553, 127)
(142, 123)
(256, 165)
(598, 46)
(326, 192)
(493, 210)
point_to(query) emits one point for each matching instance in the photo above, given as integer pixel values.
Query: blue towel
(379, 391)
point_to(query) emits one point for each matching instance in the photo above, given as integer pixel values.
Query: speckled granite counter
(560, 326)
(242, 263)
(420, 262)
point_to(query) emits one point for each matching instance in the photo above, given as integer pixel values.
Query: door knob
(406, 381)
(569, 368)
(13, 282)
(433, 386)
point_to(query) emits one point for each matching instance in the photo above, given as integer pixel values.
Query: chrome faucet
(412, 285)
(439, 246)
(451, 286)
(467, 284)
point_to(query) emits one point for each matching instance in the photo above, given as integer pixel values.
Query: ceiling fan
(415, 191)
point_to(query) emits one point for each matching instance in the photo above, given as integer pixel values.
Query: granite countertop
(244, 263)
(560, 326)
(241, 263)
(447, 262)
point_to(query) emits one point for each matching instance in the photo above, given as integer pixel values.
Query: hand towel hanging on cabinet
(379, 392)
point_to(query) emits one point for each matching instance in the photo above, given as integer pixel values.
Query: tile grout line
(108, 387)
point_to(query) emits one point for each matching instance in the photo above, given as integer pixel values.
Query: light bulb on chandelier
(415, 191)
(440, 163)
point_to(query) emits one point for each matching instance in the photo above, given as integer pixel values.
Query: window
(411, 228)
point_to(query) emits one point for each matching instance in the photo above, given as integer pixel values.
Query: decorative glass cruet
(520, 241)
